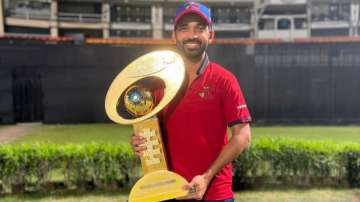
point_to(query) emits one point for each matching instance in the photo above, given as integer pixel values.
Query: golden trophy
(130, 100)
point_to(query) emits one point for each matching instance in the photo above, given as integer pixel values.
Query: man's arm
(240, 139)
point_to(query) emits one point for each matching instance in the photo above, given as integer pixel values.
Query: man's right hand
(138, 144)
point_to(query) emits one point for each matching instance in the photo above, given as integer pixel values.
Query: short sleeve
(234, 106)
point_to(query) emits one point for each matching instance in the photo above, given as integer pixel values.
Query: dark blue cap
(193, 7)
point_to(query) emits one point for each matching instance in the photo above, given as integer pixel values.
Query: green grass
(3, 126)
(340, 134)
(299, 195)
(69, 196)
(288, 195)
(114, 133)
(79, 133)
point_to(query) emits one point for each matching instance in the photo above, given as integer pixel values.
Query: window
(131, 13)
(131, 33)
(300, 23)
(284, 24)
(231, 15)
(266, 24)
(331, 12)
(169, 14)
(334, 12)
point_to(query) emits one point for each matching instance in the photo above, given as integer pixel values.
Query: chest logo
(205, 92)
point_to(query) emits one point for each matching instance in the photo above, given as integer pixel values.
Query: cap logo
(192, 5)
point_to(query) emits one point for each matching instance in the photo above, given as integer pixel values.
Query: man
(195, 123)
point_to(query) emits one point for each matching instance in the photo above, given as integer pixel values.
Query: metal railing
(80, 17)
(26, 35)
(29, 14)
(45, 15)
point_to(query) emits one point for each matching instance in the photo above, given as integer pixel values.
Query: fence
(282, 82)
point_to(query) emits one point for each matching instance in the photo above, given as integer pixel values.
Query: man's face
(192, 36)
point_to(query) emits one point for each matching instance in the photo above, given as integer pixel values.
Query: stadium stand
(154, 19)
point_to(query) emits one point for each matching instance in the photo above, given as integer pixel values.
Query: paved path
(10, 133)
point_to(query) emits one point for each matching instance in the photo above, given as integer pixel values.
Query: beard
(192, 54)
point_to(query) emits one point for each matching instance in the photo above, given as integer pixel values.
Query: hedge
(88, 166)
(298, 162)
(34, 166)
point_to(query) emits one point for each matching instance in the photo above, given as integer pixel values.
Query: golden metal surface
(153, 158)
(144, 101)
(166, 65)
(158, 186)
(158, 183)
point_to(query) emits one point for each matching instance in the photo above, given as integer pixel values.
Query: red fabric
(195, 126)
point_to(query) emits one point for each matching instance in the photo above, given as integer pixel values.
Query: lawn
(289, 195)
(299, 195)
(113, 133)
(78, 133)
(340, 134)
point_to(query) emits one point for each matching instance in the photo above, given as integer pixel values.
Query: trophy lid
(166, 66)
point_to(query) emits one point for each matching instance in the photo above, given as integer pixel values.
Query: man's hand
(197, 187)
(241, 136)
(137, 142)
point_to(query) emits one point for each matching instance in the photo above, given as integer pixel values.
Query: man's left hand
(197, 187)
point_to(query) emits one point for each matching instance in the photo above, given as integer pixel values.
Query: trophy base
(158, 186)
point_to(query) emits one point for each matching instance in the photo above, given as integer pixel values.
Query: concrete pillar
(255, 19)
(2, 17)
(308, 18)
(354, 19)
(105, 18)
(157, 21)
(54, 25)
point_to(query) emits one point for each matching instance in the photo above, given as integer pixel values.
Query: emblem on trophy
(131, 100)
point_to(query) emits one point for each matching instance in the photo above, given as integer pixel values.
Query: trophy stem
(153, 158)
(158, 183)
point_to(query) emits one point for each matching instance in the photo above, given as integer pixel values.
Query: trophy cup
(130, 100)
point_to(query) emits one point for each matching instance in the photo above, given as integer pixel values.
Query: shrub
(296, 162)
(269, 161)
(33, 165)
(352, 156)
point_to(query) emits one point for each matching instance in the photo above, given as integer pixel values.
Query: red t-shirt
(195, 126)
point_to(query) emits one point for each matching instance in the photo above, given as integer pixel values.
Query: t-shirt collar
(203, 65)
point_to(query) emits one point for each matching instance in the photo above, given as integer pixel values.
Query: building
(287, 19)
